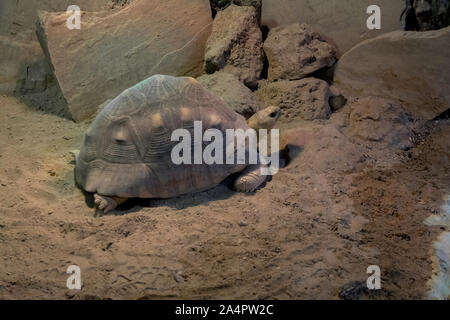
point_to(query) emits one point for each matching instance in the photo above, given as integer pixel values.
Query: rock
(340, 21)
(19, 46)
(18, 18)
(305, 99)
(235, 45)
(432, 14)
(113, 52)
(178, 276)
(405, 66)
(228, 87)
(257, 4)
(295, 51)
(218, 5)
(383, 121)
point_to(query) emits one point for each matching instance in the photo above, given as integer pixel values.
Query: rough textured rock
(19, 48)
(235, 45)
(228, 87)
(382, 121)
(218, 5)
(432, 14)
(295, 51)
(305, 99)
(342, 21)
(257, 4)
(406, 66)
(113, 52)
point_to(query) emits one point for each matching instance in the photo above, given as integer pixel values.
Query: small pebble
(178, 277)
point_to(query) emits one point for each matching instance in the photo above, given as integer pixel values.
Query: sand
(310, 233)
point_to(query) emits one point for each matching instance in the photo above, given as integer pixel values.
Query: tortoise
(126, 153)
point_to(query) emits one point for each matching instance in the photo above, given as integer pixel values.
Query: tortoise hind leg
(250, 179)
(107, 204)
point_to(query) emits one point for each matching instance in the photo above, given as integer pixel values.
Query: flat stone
(114, 51)
(410, 67)
(18, 18)
(19, 47)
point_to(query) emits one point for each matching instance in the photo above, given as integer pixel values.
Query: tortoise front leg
(107, 204)
(250, 179)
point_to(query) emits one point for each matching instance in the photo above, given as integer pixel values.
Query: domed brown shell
(127, 150)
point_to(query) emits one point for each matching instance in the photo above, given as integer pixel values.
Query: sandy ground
(310, 233)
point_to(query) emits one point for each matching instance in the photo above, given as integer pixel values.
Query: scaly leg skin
(107, 204)
(250, 179)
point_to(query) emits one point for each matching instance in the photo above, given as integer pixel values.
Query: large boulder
(305, 99)
(18, 18)
(343, 21)
(296, 51)
(406, 66)
(235, 45)
(228, 87)
(113, 52)
(19, 48)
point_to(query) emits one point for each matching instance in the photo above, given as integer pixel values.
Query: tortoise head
(265, 119)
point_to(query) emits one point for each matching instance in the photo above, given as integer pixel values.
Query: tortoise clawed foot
(104, 204)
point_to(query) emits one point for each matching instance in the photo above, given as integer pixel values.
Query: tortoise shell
(127, 150)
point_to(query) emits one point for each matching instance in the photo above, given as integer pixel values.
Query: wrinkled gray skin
(127, 151)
